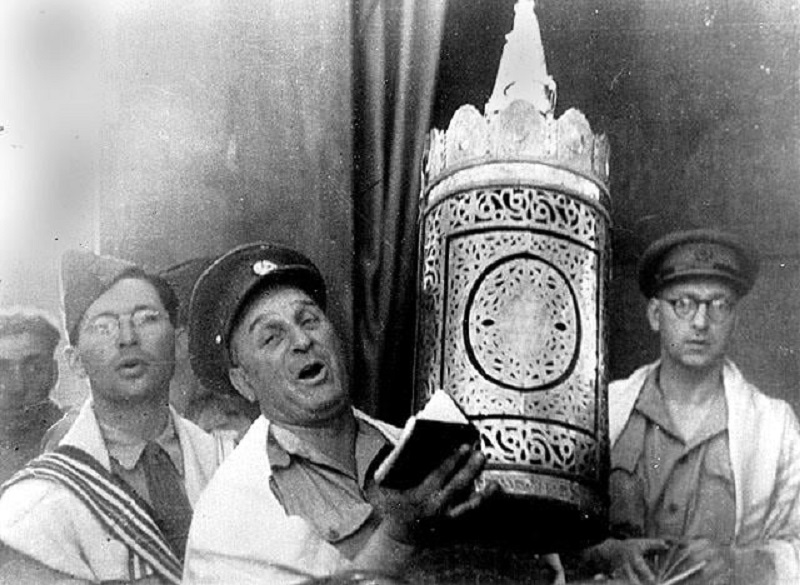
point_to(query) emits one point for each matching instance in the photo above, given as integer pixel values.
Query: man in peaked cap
(113, 501)
(701, 460)
(297, 498)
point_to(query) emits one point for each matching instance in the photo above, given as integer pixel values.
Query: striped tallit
(115, 504)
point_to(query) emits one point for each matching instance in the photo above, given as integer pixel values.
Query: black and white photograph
(400, 292)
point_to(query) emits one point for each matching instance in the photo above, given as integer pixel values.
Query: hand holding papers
(674, 565)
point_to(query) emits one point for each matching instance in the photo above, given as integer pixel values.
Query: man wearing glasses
(114, 500)
(702, 462)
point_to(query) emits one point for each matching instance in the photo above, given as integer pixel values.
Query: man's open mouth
(311, 372)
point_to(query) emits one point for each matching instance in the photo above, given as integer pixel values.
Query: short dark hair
(19, 320)
(163, 289)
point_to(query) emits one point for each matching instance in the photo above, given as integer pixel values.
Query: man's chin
(701, 361)
(332, 409)
(141, 391)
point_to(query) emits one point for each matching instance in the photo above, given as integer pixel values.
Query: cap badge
(704, 255)
(263, 267)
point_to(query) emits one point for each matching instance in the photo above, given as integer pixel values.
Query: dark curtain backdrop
(396, 56)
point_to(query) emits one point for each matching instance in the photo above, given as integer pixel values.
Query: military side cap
(182, 278)
(700, 253)
(222, 292)
(84, 277)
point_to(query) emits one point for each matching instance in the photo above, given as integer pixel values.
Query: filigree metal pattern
(521, 325)
(538, 446)
(508, 324)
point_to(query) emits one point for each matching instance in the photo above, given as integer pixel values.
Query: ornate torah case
(514, 267)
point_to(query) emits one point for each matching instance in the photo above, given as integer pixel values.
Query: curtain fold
(396, 58)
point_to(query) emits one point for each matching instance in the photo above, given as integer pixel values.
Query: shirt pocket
(714, 508)
(343, 522)
(717, 463)
(629, 447)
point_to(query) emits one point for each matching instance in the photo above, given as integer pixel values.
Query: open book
(428, 438)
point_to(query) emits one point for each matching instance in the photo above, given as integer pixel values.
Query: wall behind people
(217, 123)
(49, 131)
(237, 123)
(231, 123)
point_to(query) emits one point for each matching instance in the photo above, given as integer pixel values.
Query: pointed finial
(522, 74)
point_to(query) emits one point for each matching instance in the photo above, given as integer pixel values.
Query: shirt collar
(127, 449)
(651, 404)
(283, 444)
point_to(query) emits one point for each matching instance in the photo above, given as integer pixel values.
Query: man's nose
(127, 332)
(700, 319)
(301, 340)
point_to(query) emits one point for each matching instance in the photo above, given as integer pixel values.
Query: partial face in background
(28, 372)
(185, 388)
(208, 409)
(126, 345)
(699, 340)
(288, 357)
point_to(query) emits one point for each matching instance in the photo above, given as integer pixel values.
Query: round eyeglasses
(107, 324)
(718, 309)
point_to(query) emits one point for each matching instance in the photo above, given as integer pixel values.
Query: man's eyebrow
(702, 298)
(110, 313)
(258, 320)
(299, 305)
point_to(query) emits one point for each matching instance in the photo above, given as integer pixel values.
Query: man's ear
(654, 314)
(73, 358)
(241, 382)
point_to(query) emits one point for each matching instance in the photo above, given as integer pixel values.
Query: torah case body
(514, 257)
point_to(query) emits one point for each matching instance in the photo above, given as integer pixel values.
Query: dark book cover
(424, 445)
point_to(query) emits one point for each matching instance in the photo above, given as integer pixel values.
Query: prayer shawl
(115, 505)
(764, 440)
(241, 534)
(43, 519)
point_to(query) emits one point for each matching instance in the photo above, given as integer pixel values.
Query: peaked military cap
(182, 278)
(224, 289)
(700, 253)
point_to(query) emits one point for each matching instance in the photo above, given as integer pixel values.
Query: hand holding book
(427, 440)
